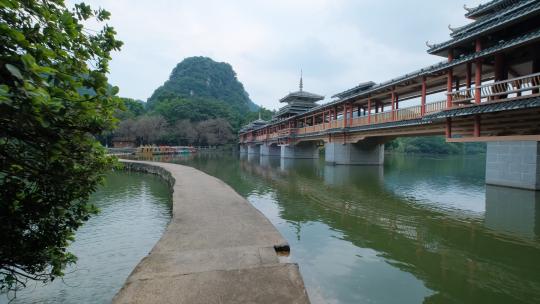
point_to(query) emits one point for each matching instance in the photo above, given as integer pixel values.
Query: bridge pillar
(254, 149)
(300, 150)
(243, 149)
(270, 150)
(513, 164)
(362, 153)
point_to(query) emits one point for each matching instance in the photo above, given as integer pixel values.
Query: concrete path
(217, 249)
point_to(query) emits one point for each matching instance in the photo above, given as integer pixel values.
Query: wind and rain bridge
(486, 90)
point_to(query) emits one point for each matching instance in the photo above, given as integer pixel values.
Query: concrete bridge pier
(365, 152)
(513, 164)
(254, 149)
(270, 150)
(308, 149)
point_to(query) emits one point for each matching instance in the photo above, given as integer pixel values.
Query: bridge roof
(487, 8)
(512, 13)
(361, 87)
(524, 103)
(295, 108)
(256, 124)
(443, 65)
(302, 96)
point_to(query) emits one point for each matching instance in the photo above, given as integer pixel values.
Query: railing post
(423, 98)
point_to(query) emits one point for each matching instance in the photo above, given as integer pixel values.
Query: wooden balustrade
(498, 90)
(375, 118)
(437, 106)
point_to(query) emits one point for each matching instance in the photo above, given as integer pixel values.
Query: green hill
(202, 78)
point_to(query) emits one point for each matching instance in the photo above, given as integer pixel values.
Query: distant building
(120, 142)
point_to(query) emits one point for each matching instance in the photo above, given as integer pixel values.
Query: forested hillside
(433, 145)
(202, 78)
(201, 103)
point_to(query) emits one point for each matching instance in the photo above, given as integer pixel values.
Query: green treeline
(202, 103)
(433, 145)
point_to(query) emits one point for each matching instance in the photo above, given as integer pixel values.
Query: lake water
(135, 209)
(420, 229)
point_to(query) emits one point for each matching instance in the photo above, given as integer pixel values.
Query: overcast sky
(337, 43)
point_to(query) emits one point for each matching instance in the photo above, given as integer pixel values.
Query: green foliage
(203, 78)
(131, 108)
(50, 161)
(201, 89)
(433, 145)
(200, 93)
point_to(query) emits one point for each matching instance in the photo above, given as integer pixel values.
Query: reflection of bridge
(488, 90)
(445, 251)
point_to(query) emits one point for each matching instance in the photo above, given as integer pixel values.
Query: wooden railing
(375, 118)
(437, 106)
(503, 89)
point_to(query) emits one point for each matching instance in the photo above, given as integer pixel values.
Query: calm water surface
(421, 229)
(135, 209)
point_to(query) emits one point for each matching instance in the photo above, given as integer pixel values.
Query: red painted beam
(345, 115)
(423, 98)
(369, 110)
(450, 80)
(393, 105)
(351, 114)
(448, 129)
(476, 126)
(478, 74)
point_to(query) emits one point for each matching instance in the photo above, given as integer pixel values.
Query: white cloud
(337, 43)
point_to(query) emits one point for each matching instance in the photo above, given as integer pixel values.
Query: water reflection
(513, 211)
(419, 229)
(349, 175)
(135, 208)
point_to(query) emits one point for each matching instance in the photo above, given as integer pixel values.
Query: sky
(336, 43)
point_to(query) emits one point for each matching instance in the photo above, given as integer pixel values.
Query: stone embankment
(217, 248)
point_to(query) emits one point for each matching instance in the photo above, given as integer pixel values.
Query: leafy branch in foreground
(50, 161)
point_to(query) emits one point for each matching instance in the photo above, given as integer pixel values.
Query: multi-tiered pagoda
(297, 102)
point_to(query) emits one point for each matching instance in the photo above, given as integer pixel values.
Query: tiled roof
(295, 109)
(301, 95)
(493, 17)
(256, 124)
(520, 10)
(486, 7)
(528, 37)
(361, 87)
(525, 103)
(531, 36)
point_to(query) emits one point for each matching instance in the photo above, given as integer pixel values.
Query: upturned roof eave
(527, 38)
(439, 48)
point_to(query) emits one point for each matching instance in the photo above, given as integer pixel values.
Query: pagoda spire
(301, 82)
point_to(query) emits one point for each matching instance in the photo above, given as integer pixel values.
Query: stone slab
(217, 248)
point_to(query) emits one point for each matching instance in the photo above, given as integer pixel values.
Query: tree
(184, 132)
(150, 129)
(131, 108)
(214, 132)
(54, 101)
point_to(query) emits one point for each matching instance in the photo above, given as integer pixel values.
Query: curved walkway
(217, 248)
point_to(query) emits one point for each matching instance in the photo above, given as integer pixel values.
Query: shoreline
(217, 248)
